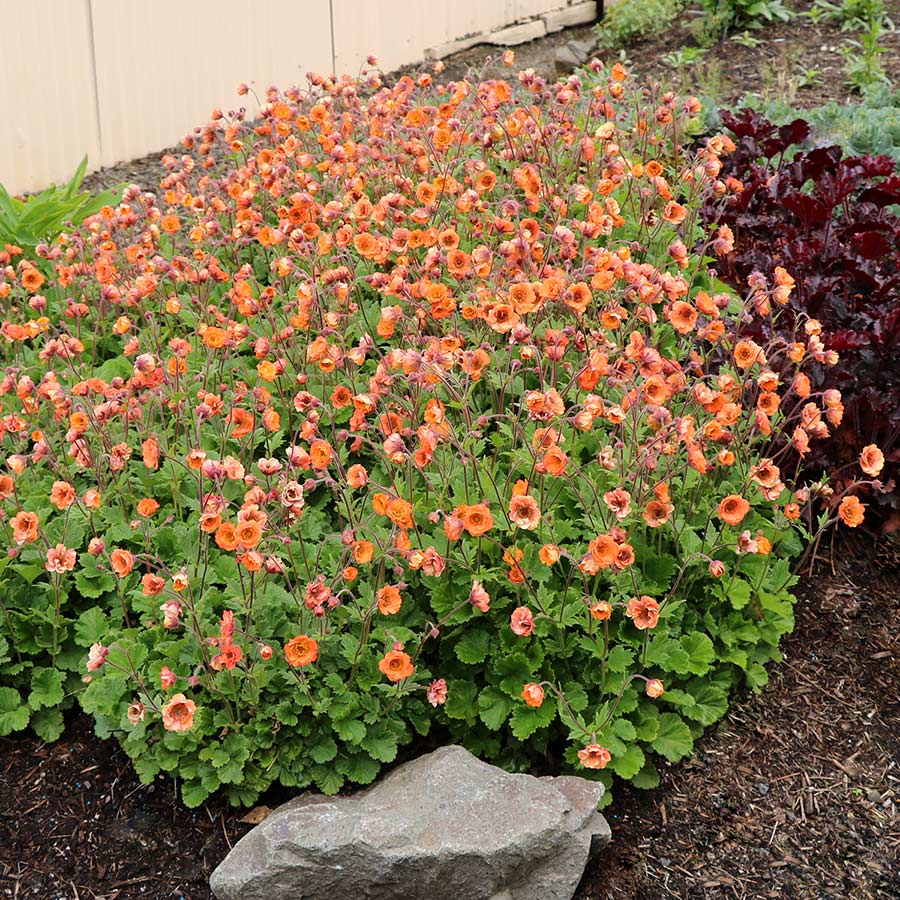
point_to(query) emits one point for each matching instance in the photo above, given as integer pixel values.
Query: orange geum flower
(122, 562)
(851, 511)
(746, 353)
(871, 460)
(357, 476)
(732, 509)
(389, 600)
(226, 536)
(25, 527)
(477, 519)
(60, 559)
(396, 665)
(533, 694)
(601, 610)
(524, 512)
(363, 551)
(320, 454)
(62, 494)
(178, 713)
(301, 651)
(248, 533)
(554, 462)
(147, 507)
(657, 513)
(549, 554)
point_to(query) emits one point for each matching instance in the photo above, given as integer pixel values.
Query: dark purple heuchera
(832, 222)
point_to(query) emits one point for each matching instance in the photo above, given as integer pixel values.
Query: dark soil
(798, 62)
(795, 794)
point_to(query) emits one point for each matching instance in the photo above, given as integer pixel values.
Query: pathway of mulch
(796, 793)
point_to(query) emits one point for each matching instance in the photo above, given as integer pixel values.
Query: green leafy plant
(403, 414)
(863, 59)
(853, 15)
(745, 39)
(686, 56)
(41, 217)
(627, 22)
(722, 16)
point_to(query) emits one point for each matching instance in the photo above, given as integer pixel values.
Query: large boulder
(446, 826)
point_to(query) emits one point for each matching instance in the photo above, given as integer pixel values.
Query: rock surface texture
(443, 827)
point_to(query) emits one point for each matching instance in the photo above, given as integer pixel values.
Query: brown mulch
(796, 793)
(798, 62)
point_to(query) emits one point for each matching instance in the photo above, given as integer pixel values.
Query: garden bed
(795, 793)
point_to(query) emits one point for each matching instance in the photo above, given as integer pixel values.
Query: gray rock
(573, 55)
(443, 827)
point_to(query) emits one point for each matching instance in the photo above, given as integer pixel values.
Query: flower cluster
(401, 404)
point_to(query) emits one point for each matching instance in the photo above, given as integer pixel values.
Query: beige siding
(49, 118)
(117, 79)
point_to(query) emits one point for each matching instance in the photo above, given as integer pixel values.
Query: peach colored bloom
(147, 507)
(437, 692)
(178, 713)
(654, 688)
(301, 651)
(477, 520)
(522, 621)
(533, 694)
(549, 554)
(733, 509)
(122, 562)
(479, 597)
(601, 610)
(851, 511)
(62, 494)
(594, 757)
(524, 512)
(25, 527)
(96, 657)
(60, 559)
(389, 600)
(644, 612)
(871, 460)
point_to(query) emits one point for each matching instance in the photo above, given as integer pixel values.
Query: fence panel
(50, 115)
(162, 65)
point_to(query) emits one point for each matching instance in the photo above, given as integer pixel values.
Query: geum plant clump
(395, 413)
